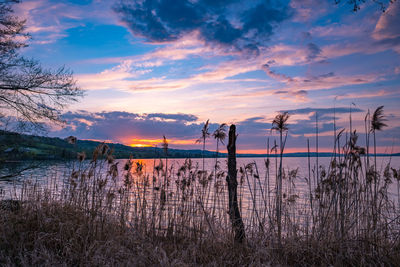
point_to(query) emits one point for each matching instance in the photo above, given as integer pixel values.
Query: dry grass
(178, 216)
(57, 234)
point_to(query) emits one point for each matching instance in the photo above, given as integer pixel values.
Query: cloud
(305, 10)
(242, 26)
(254, 125)
(330, 80)
(305, 127)
(176, 117)
(341, 30)
(388, 24)
(367, 94)
(49, 20)
(367, 32)
(322, 111)
(298, 86)
(314, 78)
(182, 130)
(294, 55)
(131, 76)
(295, 96)
(306, 35)
(306, 120)
(116, 77)
(128, 128)
(313, 51)
(275, 75)
(255, 131)
(387, 30)
(125, 76)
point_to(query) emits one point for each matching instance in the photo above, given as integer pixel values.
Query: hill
(15, 146)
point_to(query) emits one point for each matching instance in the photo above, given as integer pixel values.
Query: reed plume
(280, 125)
(204, 135)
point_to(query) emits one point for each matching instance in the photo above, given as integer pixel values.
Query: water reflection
(256, 187)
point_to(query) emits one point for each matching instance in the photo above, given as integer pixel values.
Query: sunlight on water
(256, 186)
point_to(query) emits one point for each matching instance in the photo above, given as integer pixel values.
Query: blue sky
(164, 67)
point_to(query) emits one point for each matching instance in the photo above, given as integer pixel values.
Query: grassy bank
(52, 233)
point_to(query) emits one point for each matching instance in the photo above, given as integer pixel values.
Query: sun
(140, 145)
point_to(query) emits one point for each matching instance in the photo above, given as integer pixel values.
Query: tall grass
(280, 124)
(111, 214)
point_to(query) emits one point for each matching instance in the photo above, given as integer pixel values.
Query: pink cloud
(305, 9)
(188, 46)
(342, 30)
(299, 96)
(331, 81)
(275, 75)
(366, 94)
(287, 55)
(388, 23)
(44, 18)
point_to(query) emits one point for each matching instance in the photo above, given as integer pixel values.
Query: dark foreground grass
(57, 234)
(52, 233)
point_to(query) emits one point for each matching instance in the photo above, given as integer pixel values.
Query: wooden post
(231, 179)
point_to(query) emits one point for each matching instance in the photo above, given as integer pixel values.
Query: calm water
(255, 194)
(46, 172)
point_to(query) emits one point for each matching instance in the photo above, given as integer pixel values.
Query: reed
(110, 212)
(280, 124)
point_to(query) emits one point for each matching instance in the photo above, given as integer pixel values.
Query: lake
(256, 185)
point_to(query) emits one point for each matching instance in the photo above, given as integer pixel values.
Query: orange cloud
(139, 142)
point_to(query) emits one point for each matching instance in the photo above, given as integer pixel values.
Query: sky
(163, 67)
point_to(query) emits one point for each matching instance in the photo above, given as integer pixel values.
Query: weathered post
(231, 179)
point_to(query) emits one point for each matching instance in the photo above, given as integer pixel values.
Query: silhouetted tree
(28, 91)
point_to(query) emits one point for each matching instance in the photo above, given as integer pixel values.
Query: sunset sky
(154, 68)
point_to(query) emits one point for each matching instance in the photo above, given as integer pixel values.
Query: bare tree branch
(356, 4)
(27, 90)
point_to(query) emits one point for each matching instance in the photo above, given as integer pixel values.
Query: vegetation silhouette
(29, 93)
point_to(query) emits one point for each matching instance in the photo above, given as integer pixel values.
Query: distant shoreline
(289, 155)
(305, 154)
(22, 147)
